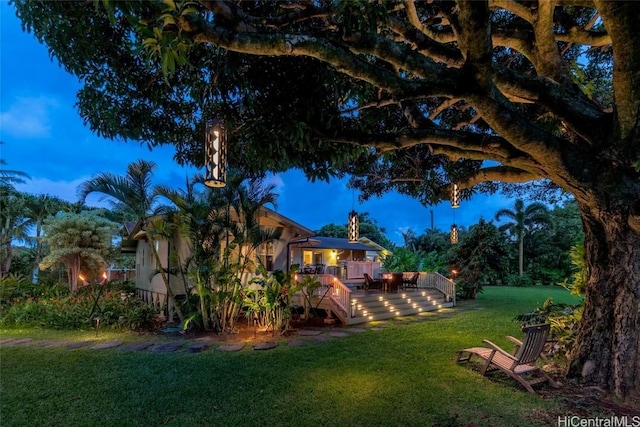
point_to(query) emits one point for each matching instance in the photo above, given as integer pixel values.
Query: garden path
(246, 339)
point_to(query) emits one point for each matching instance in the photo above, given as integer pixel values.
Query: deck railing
(439, 282)
(333, 288)
(330, 289)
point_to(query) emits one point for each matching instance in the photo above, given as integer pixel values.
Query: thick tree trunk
(6, 256)
(607, 352)
(73, 271)
(521, 256)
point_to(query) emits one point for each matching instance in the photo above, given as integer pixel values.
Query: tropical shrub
(268, 300)
(578, 281)
(564, 320)
(409, 260)
(306, 288)
(116, 309)
(402, 260)
(481, 257)
(519, 281)
(15, 286)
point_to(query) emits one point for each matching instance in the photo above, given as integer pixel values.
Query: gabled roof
(370, 242)
(269, 218)
(272, 215)
(321, 242)
(130, 226)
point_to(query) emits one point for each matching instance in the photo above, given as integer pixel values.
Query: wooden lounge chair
(411, 282)
(519, 365)
(371, 283)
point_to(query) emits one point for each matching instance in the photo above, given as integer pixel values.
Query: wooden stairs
(380, 306)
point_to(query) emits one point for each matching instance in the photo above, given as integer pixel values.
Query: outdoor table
(391, 282)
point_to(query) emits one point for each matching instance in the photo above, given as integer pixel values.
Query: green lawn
(404, 375)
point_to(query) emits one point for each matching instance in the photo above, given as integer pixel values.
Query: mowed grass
(403, 375)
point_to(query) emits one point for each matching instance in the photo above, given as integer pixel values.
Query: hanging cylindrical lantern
(353, 227)
(455, 195)
(215, 154)
(454, 234)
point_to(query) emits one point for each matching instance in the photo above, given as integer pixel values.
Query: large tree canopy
(404, 94)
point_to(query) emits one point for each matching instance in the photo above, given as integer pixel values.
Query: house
(336, 264)
(150, 286)
(337, 256)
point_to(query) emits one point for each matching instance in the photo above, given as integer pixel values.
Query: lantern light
(454, 234)
(353, 227)
(455, 195)
(215, 159)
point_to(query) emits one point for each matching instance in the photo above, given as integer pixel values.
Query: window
(266, 255)
(307, 257)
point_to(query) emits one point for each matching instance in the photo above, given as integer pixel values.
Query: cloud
(28, 117)
(66, 190)
(275, 179)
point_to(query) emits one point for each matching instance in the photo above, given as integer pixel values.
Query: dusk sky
(45, 137)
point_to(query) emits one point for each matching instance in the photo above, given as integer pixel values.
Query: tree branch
(513, 7)
(232, 13)
(443, 106)
(455, 145)
(499, 173)
(622, 21)
(471, 23)
(581, 36)
(400, 55)
(516, 39)
(548, 61)
(414, 19)
(437, 80)
(571, 106)
(440, 52)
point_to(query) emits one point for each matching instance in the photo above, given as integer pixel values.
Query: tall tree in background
(369, 228)
(480, 256)
(523, 221)
(14, 225)
(433, 240)
(409, 239)
(80, 242)
(134, 193)
(409, 95)
(37, 209)
(8, 177)
(222, 229)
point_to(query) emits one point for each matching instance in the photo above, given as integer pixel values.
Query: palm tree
(13, 224)
(134, 191)
(432, 240)
(9, 177)
(523, 221)
(251, 197)
(37, 209)
(135, 194)
(409, 237)
(214, 222)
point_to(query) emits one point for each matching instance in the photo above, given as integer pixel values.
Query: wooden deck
(352, 305)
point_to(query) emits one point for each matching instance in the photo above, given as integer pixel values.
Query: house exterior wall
(146, 266)
(280, 249)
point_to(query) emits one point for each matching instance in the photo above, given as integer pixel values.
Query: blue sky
(45, 137)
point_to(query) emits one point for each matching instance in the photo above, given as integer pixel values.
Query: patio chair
(371, 283)
(411, 282)
(519, 365)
